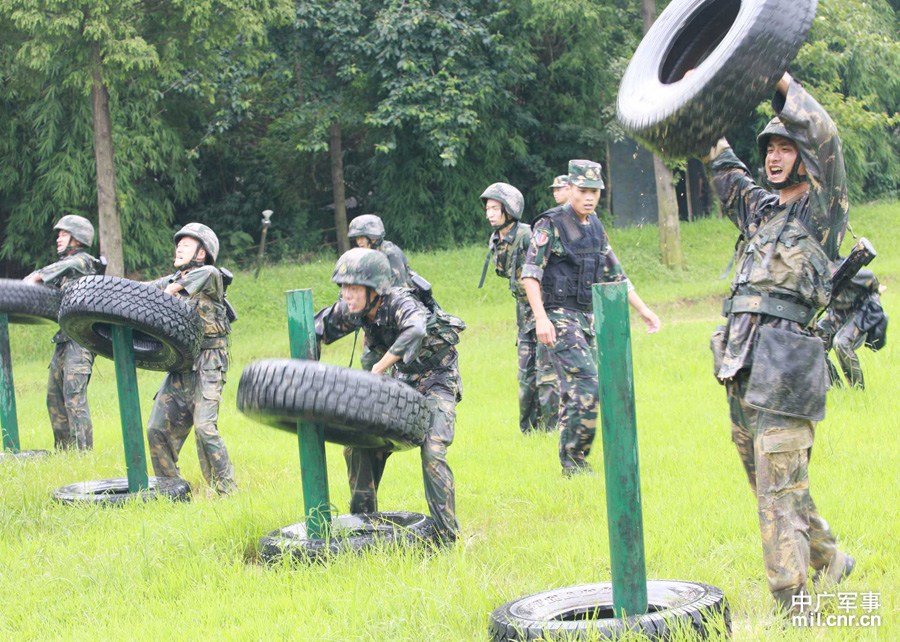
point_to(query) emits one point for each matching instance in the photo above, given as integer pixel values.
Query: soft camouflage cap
(205, 235)
(81, 229)
(367, 225)
(362, 266)
(560, 181)
(585, 173)
(512, 200)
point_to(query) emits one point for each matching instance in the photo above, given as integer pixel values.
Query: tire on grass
(739, 50)
(21, 455)
(29, 303)
(586, 612)
(356, 408)
(350, 534)
(167, 331)
(115, 491)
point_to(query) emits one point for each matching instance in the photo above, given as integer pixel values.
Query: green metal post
(313, 471)
(620, 451)
(130, 408)
(9, 422)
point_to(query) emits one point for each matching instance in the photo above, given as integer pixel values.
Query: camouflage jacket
(204, 290)
(402, 326)
(857, 291)
(67, 269)
(807, 232)
(400, 277)
(508, 256)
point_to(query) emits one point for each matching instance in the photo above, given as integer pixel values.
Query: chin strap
(794, 178)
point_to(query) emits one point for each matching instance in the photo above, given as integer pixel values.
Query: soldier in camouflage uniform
(560, 189)
(789, 236)
(538, 389)
(367, 231)
(419, 344)
(846, 325)
(70, 367)
(569, 252)
(192, 398)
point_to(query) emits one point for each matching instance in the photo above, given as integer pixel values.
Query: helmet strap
(794, 177)
(71, 248)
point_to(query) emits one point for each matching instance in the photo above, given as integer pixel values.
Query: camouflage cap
(367, 225)
(205, 235)
(81, 229)
(362, 266)
(585, 173)
(512, 200)
(560, 181)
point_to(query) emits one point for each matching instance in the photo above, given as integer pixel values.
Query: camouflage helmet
(776, 128)
(508, 196)
(560, 181)
(204, 235)
(362, 266)
(367, 225)
(586, 174)
(81, 229)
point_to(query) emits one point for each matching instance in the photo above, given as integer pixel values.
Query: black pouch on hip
(788, 376)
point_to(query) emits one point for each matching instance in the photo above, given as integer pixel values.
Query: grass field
(159, 571)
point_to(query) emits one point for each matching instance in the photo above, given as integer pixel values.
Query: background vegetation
(222, 109)
(188, 571)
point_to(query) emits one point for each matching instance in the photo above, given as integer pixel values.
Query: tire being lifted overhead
(586, 612)
(349, 533)
(356, 408)
(738, 50)
(166, 330)
(29, 303)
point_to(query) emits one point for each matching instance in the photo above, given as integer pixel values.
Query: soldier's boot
(841, 566)
(792, 601)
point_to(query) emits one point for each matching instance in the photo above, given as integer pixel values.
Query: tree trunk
(110, 226)
(667, 202)
(336, 152)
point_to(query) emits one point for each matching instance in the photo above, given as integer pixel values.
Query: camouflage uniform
(192, 398)
(783, 276)
(538, 388)
(70, 367)
(425, 340)
(842, 327)
(567, 257)
(372, 227)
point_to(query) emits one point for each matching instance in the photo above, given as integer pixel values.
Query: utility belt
(792, 310)
(213, 343)
(430, 363)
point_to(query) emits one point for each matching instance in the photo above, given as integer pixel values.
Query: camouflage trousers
(846, 338)
(67, 402)
(442, 388)
(574, 360)
(775, 451)
(538, 388)
(188, 399)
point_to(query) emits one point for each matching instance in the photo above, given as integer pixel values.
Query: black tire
(115, 491)
(29, 303)
(350, 533)
(167, 331)
(7, 455)
(739, 48)
(356, 408)
(586, 611)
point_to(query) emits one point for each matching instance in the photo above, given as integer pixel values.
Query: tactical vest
(212, 315)
(568, 278)
(782, 271)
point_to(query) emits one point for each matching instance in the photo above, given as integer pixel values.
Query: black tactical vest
(568, 278)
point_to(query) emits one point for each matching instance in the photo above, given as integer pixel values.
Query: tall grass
(188, 571)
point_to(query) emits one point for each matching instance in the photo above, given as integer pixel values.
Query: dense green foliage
(222, 109)
(159, 571)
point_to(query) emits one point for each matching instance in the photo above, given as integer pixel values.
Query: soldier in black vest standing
(569, 252)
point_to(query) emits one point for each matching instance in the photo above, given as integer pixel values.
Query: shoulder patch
(541, 237)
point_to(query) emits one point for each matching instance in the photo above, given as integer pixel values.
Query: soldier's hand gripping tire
(585, 612)
(29, 303)
(357, 408)
(167, 331)
(738, 50)
(349, 533)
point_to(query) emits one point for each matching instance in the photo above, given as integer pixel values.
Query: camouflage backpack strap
(492, 247)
